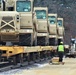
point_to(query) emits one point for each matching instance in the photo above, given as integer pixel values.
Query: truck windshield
(52, 19)
(41, 14)
(23, 6)
(59, 22)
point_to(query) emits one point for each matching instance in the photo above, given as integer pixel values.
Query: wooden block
(55, 60)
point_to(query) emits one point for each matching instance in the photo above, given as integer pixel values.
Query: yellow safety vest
(60, 48)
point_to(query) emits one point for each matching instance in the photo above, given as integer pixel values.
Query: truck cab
(41, 25)
(60, 29)
(25, 10)
(52, 23)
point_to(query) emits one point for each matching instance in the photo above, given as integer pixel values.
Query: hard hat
(61, 42)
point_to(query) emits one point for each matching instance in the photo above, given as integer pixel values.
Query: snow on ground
(19, 71)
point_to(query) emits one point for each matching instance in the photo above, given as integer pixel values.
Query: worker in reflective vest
(61, 52)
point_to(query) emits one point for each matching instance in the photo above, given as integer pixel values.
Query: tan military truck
(52, 23)
(41, 25)
(60, 28)
(9, 22)
(20, 22)
(25, 10)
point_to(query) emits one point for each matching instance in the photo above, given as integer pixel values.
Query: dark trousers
(60, 54)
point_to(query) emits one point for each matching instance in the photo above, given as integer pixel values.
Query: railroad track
(7, 66)
(4, 66)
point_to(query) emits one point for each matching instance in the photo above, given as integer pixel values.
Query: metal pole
(3, 1)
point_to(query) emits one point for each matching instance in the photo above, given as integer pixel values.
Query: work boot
(61, 63)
